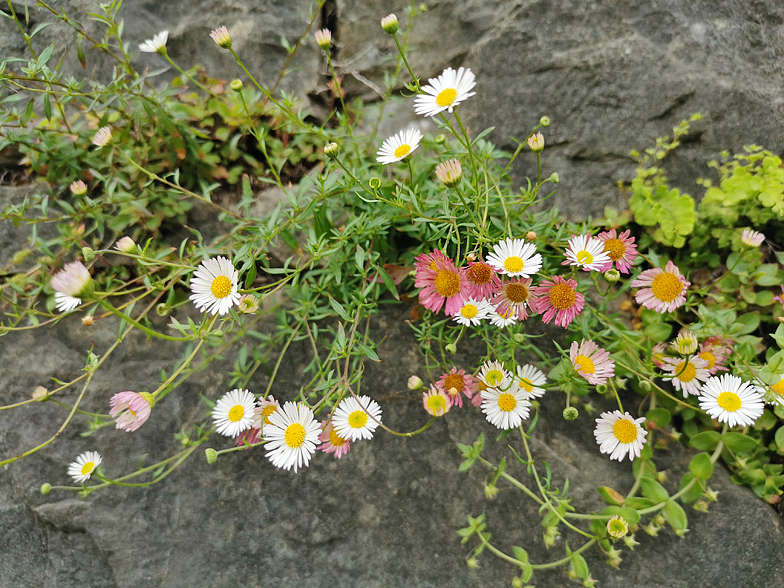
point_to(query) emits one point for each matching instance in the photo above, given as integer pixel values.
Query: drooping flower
(398, 146)
(331, 442)
(731, 400)
(505, 409)
(502, 319)
(449, 172)
(436, 402)
(70, 284)
(663, 290)
(493, 375)
(686, 374)
(445, 92)
(454, 384)
(752, 238)
(620, 435)
(130, 409)
(233, 413)
(84, 466)
(248, 437)
(715, 356)
(248, 304)
(514, 297)
(102, 137)
(515, 257)
(357, 418)
(592, 362)
(222, 37)
(156, 44)
(559, 299)
(657, 354)
(586, 252)
(291, 436)
(620, 248)
(685, 343)
(473, 312)
(214, 286)
(483, 281)
(530, 380)
(441, 282)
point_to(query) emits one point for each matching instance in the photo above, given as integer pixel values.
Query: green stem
(177, 67)
(138, 325)
(408, 67)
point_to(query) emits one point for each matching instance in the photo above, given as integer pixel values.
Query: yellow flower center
(666, 287)
(88, 467)
(562, 296)
(507, 402)
(614, 248)
(528, 385)
(494, 377)
(513, 264)
(357, 419)
(480, 273)
(447, 283)
(266, 412)
(454, 381)
(482, 386)
(437, 404)
(402, 151)
(295, 435)
(584, 257)
(236, 413)
(335, 439)
(584, 364)
(221, 287)
(729, 401)
(778, 388)
(625, 431)
(446, 97)
(688, 373)
(517, 293)
(469, 311)
(709, 357)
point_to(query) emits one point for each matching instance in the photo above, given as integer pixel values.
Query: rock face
(383, 515)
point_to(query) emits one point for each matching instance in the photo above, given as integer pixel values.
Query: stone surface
(384, 515)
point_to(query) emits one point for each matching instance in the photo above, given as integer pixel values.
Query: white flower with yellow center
(214, 286)
(776, 393)
(155, 44)
(445, 92)
(84, 466)
(233, 413)
(687, 374)
(493, 375)
(586, 252)
(620, 435)
(399, 146)
(502, 318)
(473, 312)
(515, 257)
(291, 436)
(357, 418)
(530, 380)
(505, 409)
(731, 400)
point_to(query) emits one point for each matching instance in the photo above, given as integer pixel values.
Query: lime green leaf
(701, 466)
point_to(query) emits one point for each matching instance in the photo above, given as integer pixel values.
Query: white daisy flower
(530, 380)
(515, 257)
(502, 319)
(357, 418)
(84, 466)
(66, 303)
(399, 146)
(291, 436)
(505, 409)
(731, 400)
(102, 137)
(234, 412)
(752, 238)
(620, 434)
(686, 374)
(155, 44)
(214, 286)
(493, 375)
(586, 252)
(473, 312)
(445, 92)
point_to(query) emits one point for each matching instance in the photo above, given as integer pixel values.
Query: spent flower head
(436, 402)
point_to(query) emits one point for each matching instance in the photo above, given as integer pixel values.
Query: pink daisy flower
(686, 374)
(513, 297)
(331, 442)
(657, 354)
(719, 341)
(663, 290)
(454, 384)
(592, 362)
(248, 437)
(427, 261)
(483, 280)
(476, 392)
(621, 249)
(780, 299)
(441, 282)
(131, 409)
(559, 299)
(752, 238)
(715, 356)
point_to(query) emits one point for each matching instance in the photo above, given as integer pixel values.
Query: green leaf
(779, 439)
(520, 554)
(47, 107)
(695, 492)
(701, 466)
(748, 322)
(738, 442)
(653, 490)
(579, 566)
(675, 515)
(660, 416)
(706, 441)
(338, 308)
(638, 503)
(630, 514)
(483, 134)
(369, 353)
(388, 282)
(250, 277)
(611, 496)
(289, 240)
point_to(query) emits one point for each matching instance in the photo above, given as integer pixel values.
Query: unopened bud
(440, 139)
(451, 348)
(374, 183)
(88, 320)
(536, 142)
(545, 121)
(236, 85)
(211, 454)
(332, 150)
(518, 338)
(602, 388)
(415, 383)
(78, 188)
(530, 235)
(659, 520)
(645, 385)
(88, 254)
(450, 173)
(570, 413)
(46, 488)
(323, 38)
(126, 245)
(222, 37)
(612, 275)
(555, 178)
(517, 582)
(389, 24)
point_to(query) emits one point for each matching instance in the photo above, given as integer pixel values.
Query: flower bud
(536, 142)
(389, 24)
(78, 188)
(212, 455)
(545, 121)
(612, 275)
(491, 491)
(645, 385)
(88, 254)
(473, 563)
(659, 520)
(451, 348)
(570, 413)
(222, 37)
(518, 338)
(450, 173)
(471, 257)
(162, 309)
(236, 85)
(415, 383)
(440, 139)
(530, 235)
(88, 320)
(46, 488)
(374, 183)
(517, 582)
(555, 178)
(323, 38)
(332, 150)
(40, 393)
(602, 388)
